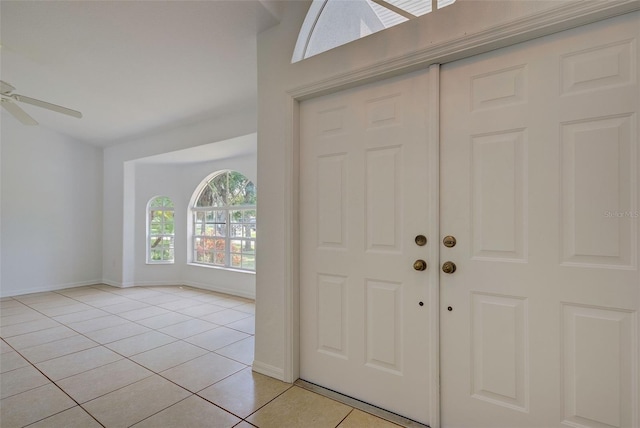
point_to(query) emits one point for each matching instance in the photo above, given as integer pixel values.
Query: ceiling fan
(9, 99)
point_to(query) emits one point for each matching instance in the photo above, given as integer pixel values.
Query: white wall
(51, 202)
(465, 28)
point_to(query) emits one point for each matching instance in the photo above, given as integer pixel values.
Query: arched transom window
(224, 222)
(332, 23)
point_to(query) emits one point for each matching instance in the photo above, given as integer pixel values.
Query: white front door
(366, 177)
(539, 185)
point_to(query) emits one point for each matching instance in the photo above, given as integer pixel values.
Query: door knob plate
(420, 265)
(448, 267)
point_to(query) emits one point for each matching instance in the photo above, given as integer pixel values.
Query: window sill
(160, 263)
(222, 268)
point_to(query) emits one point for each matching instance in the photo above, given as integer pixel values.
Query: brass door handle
(420, 265)
(448, 267)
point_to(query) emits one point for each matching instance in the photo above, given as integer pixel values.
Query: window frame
(212, 225)
(162, 236)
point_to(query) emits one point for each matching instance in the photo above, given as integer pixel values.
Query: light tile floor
(146, 357)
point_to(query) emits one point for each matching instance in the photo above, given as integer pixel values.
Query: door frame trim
(558, 19)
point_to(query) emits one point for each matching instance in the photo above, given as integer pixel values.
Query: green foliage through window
(161, 224)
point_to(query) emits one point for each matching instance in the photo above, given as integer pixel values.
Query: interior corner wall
(407, 47)
(179, 182)
(51, 202)
(119, 248)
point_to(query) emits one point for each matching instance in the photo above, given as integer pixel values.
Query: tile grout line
(56, 385)
(103, 345)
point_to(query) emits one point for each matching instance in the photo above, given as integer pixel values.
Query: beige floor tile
(24, 316)
(133, 403)
(21, 380)
(200, 309)
(161, 299)
(137, 293)
(27, 327)
(9, 302)
(102, 380)
(190, 413)
(75, 417)
(29, 299)
(4, 347)
(105, 287)
(78, 362)
(217, 338)
(207, 298)
(249, 308)
(225, 317)
(190, 291)
(229, 302)
(247, 325)
(40, 337)
(103, 301)
(89, 314)
(54, 302)
(202, 372)
(188, 328)
(140, 343)
(122, 331)
(95, 296)
(47, 351)
(359, 419)
(11, 361)
(16, 310)
(66, 309)
(97, 323)
(167, 356)
(139, 314)
(125, 307)
(164, 320)
(78, 291)
(31, 406)
(242, 351)
(296, 408)
(179, 303)
(244, 392)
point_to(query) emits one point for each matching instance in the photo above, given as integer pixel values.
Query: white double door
(535, 173)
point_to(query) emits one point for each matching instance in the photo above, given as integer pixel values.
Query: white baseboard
(268, 370)
(45, 288)
(111, 283)
(219, 289)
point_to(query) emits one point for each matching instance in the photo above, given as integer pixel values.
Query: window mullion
(227, 242)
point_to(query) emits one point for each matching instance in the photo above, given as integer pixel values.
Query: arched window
(332, 23)
(160, 230)
(224, 222)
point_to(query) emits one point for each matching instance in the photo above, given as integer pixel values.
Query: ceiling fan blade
(46, 105)
(18, 113)
(5, 88)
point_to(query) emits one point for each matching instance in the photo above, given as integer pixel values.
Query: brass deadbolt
(449, 241)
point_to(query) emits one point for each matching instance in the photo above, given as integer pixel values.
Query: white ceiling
(131, 67)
